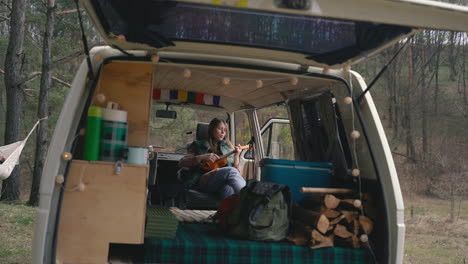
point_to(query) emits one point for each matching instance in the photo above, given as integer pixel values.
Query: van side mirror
(166, 114)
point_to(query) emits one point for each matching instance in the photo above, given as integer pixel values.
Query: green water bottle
(93, 133)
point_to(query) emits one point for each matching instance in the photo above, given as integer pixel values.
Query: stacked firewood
(325, 220)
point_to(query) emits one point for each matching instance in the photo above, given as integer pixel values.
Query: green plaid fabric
(203, 243)
(113, 140)
(160, 222)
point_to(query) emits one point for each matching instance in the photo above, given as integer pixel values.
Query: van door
(277, 140)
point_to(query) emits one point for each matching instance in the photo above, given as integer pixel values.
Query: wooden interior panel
(242, 87)
(129, 85)
(111, 209)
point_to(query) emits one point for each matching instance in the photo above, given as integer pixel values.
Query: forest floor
(430, 236)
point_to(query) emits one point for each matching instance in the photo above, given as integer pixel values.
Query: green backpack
(262, 213)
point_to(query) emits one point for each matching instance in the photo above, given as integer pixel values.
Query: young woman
(224, 181)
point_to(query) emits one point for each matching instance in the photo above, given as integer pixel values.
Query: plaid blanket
(203, 243)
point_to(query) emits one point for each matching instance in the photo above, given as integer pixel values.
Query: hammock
(12, 153)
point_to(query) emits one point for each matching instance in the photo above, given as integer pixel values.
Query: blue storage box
(297, 174)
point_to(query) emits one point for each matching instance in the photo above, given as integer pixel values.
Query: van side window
(242, 128)
(276, 132)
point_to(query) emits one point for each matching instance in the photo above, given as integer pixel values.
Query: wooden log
(350, 215)
(329, 213)
(366, 224)
(341, 231)
(330, 201)
(311, 218)
(337, 220)
(314, 202)
(348, 237)
(320, 241)
(324, 190)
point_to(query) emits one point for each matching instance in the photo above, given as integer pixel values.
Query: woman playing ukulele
(225, 181)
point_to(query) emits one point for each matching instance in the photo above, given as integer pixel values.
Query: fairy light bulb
(98, 58)
(187, 73)
(325, 70)
(258, 83)
(348, 100)
(121, 37)
(155, 58)
(66, 156)
(82, 132)
(347, 67)
(357, 203)
(81, 187)
(101, 98)
(355, 134)
(59, 179)
(355, 172)
(364, 238)
(226, 80)
(294, 80)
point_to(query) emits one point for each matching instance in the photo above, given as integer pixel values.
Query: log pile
(327, 220)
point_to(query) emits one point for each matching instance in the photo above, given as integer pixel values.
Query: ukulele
(220, 162)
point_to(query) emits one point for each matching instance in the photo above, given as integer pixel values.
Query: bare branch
(4, 18)
(67, 58)
(66, 12)
(6, 4)
(34, 75)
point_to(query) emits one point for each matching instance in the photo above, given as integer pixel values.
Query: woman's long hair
(211, 127)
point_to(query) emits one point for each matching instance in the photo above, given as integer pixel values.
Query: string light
(357, 203)
(66, 156)
(294, 80)
(81, 187)
(187, 73)
(226, 80)
(120, 37)
(348, 100)
(258, 83)
(98, 58)
(355, 172)
(347, 67)
(59, 179)
(355, 134)
(155, 58)
(100, 97)
(364, 238)
(325, 70)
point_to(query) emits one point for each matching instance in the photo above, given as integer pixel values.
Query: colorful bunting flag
(186, 96)
(182, 96)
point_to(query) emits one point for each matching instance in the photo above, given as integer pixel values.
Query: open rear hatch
(302, 32)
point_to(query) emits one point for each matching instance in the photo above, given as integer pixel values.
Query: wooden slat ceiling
(242, 90)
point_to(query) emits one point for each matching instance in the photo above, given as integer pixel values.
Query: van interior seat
(195, 199)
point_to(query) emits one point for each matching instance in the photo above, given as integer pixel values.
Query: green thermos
(93, 133)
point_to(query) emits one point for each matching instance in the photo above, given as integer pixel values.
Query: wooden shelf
(111, 209)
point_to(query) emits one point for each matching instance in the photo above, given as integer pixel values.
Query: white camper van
(279, 73)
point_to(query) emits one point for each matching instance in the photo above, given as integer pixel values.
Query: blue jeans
(226, 182)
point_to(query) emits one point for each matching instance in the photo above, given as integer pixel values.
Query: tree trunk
(14, 91)
(452, 56)
(407, 106)
(436, 69)
(465, 97)
(42, 141)
(423, 102)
